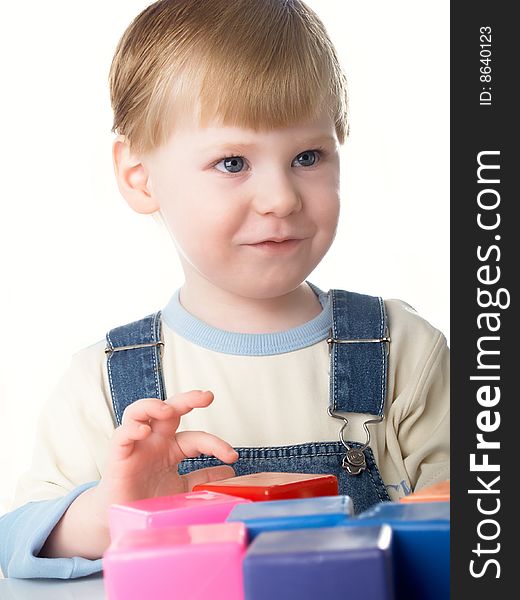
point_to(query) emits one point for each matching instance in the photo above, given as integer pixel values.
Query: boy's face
(224, 190)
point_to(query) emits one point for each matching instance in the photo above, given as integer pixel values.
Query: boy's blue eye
(306, 159)
(235, 164)
(232, 164)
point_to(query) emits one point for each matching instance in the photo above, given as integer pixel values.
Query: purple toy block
(326, 563)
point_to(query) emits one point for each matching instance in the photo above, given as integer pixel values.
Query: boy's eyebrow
(321, 139)
(309, 141)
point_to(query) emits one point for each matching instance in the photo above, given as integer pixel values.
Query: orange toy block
(439, 492)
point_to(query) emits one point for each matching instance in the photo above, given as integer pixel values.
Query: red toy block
(274, 486)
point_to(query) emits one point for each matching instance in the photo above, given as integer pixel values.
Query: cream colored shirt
(273, 400)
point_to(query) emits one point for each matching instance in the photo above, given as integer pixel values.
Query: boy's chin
(258, 287)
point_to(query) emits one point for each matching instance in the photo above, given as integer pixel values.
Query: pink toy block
(187, 562)
(192, 508)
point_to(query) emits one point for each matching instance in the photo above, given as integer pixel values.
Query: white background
(75, 261)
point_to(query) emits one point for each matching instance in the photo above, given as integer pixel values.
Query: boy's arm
(58, 532)
(420, 412)
(147, 441)
(425, 432)
(81, 531)
(24, 531)
(72, 435)
(418, 420)
(72, 432)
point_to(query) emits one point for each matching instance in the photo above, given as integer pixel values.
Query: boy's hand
(146, 449)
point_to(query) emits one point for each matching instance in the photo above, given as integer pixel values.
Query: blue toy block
(421, 546)
(326, 563)
(324, 511)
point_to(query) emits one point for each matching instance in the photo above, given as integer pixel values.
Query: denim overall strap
(134, 362)
(358, 345)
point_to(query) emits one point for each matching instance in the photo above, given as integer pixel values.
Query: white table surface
(83, 588)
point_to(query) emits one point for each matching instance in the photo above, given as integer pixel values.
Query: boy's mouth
(277, 246)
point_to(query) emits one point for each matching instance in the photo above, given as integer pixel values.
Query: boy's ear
(132, 178)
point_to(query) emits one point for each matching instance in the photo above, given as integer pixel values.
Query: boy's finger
(193, 443)
(152, 408)
(207, 475)
(124, 438)
(143, 410)
(184, 402)
(180, 404)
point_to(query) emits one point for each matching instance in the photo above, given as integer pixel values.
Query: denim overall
(358, 348)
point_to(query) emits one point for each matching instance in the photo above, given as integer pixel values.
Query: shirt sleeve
(425, 432)
(419, 417)
(73, 432)
(23, 533)
(72, 435)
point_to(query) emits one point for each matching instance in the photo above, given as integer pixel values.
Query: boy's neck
(227, 311)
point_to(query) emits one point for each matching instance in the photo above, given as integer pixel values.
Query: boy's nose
(279, 195)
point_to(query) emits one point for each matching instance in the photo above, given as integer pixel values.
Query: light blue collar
(193, 329)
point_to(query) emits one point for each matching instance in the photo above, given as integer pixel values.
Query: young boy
(229, 117)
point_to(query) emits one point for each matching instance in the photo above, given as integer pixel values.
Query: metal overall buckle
(109, 350)
(354, 460)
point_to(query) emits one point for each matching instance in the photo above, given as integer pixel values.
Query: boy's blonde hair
(258, 64)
